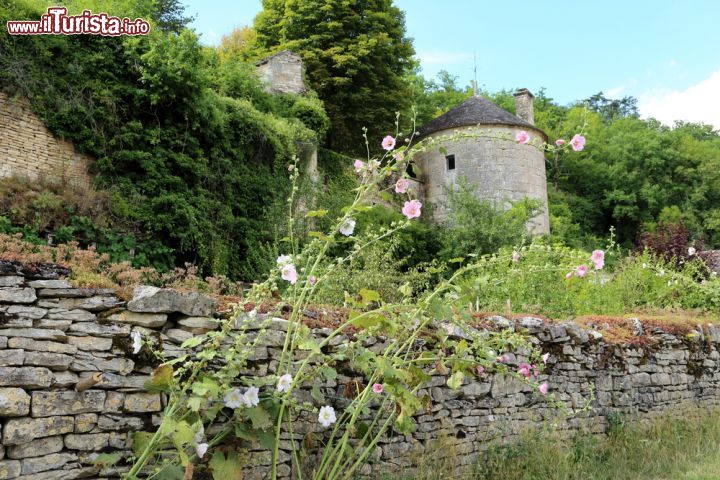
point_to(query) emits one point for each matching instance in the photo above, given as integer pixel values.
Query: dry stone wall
(27, 148)
(54, 337)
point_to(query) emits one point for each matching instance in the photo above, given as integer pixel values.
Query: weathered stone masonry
(27, 148)
(53, 336)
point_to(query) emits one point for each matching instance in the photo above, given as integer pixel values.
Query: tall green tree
(356, 56)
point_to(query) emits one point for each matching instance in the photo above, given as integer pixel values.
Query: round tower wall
(498, 167)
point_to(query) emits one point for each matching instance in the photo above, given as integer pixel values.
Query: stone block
(53, 361)
(14, 402)
(119, 423)
(23, 430)
(68, 402)
(92, 304)
(198, 324)
(36, 333)
(11, 281)
(24, 311)
(96, 329)
(50, 284)
(27, 377)
(76, 315)
(147, 320)
(89, 343)
(85, 362)
(90, 441)
(12, 358)
(85, 422)
(17, 295)
(64, 379)
(36, 448)
(9, 468)
(149, 299)
(41, 346)
(54, 461)
(142, 402)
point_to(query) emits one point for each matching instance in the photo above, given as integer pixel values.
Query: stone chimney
(524, 105)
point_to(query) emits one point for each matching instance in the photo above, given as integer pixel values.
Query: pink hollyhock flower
(577, 142)
(524, 369)
(378, 388)
(546, 357)
(399, 157)
(522, 137)
(560, 142)
(568, 275)
(480, 369)
(388, 143)
(358, 165)
(402, 185)
(598, 258)
(411, 209)
(543, 388)
(503, 359)
(374, 164)
(581, 271)
(289, 273)
(312, 279)
(516, 256)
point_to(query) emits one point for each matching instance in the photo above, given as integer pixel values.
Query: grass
(666, 448)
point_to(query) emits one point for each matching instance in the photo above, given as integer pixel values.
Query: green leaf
(182, 436)
(321, 236)
(316, 213)
(140, 441)
(456, 260)
(329, 372)
(386, 196)
(267, 439)
(309, 344)
(317, 394)
(455, 380)
(192, 342)
(259, 417)
(442, 150)
(206, 387)
(105, 460)
(368, 320)
(161, 379)
(405, 289)
(226, 467)
(369, 296)
(170, 471)
(194, 403)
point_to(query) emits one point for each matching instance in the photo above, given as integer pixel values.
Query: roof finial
(475, 89)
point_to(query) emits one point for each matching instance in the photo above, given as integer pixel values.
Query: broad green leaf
(369, 296)
(368, 320)
(456, 260)
(206, 387)
(192, 342)
(195, 402)
(316, 213)
(309, 344)
(161, 379)
(442, 150)
(170, 471)
(105, 460)
(455, 380)
(317, 394)
(259, 417)
(329, 372)
(140, 441)
(405, 289)
(321, 236)
(226, 467)
(267, 439)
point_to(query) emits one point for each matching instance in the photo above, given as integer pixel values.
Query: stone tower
(499, 168)
(282, 73)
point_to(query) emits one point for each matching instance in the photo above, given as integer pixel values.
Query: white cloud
(436, 57)
(697, 103)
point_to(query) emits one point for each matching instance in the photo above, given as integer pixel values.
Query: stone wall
(53, 337)
(500, 170)
(27, 148)
(282, 73)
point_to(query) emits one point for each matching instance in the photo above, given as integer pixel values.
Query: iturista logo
(57, 22)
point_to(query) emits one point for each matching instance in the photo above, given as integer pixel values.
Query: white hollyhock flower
(284, 383)
(284, 260)
(233, 399)
(201, 449)
(137, 341)
(251, 398)
(327, 416)
(348, 227)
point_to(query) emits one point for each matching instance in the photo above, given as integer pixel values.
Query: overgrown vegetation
(664, 448)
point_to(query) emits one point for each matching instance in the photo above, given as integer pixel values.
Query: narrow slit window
(450, 160)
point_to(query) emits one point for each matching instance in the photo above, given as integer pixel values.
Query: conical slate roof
(473, 111)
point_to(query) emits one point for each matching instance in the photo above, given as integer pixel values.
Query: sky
(665, 53)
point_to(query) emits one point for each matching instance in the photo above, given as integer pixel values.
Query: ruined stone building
(498, 168)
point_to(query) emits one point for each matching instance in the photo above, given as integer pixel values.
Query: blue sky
(666, 53)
